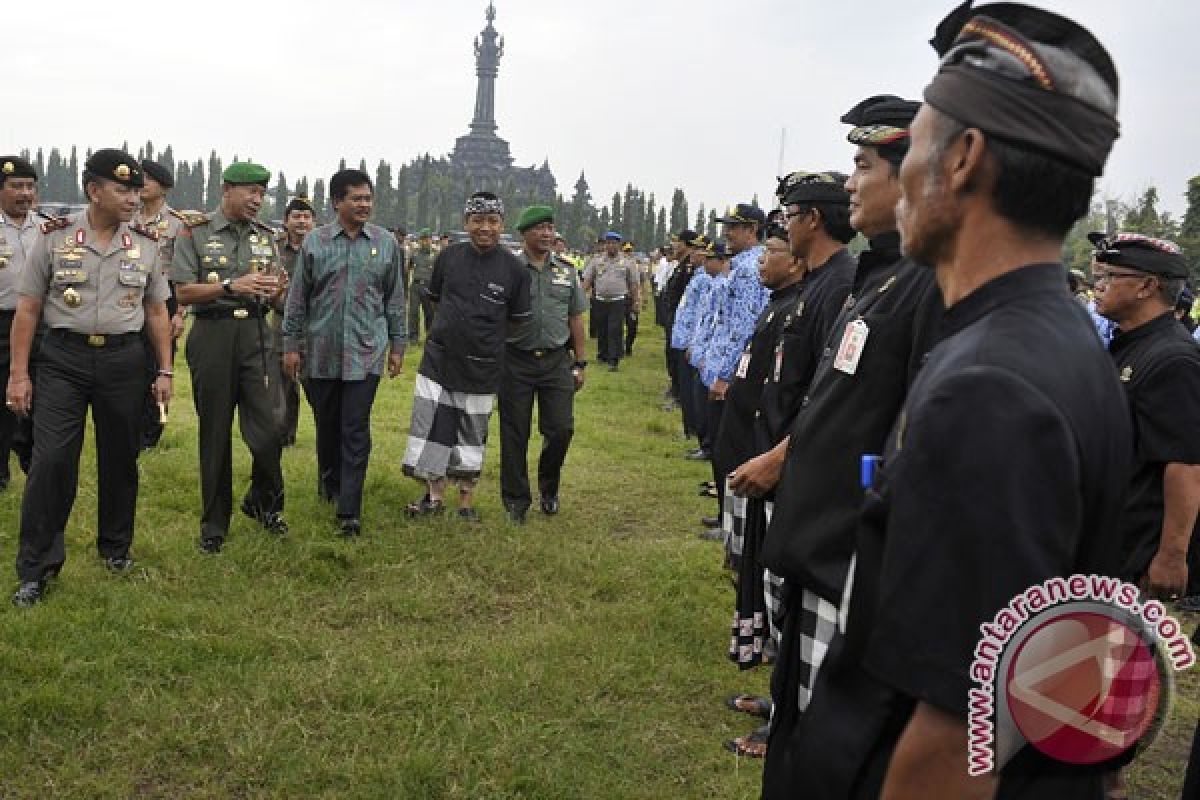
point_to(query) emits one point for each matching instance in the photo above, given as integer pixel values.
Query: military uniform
(421, 273)
(92, 300)
(289, 390)
(166, 224)
(538, 363)
(231, 366)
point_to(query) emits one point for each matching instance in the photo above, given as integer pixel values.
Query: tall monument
(481, 151)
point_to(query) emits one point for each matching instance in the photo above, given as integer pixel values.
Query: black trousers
(631, 329)
(418, 303)
(342, 410)
(714, 410)
(8, 420)
(225, 357)
(672, 361)
(693, 422)
(610, 321)
(549, 380)
(71, 376)
(705, 429)
(594, 318)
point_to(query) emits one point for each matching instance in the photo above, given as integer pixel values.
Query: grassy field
(577, 657)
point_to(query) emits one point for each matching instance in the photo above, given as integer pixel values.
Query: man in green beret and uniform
(540, 362)
(420, 273)
(93, 281)
(226, 267)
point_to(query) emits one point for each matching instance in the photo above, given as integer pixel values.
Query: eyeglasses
(1107, 275)
(789, 215)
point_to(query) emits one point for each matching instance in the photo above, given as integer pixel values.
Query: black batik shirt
(1007, 466)
(478, 294)
(805, 337)
(1159, 365)
(844, 416)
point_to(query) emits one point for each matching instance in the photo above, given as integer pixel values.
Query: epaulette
(191, 218)
(258, 223)
(142, 230)
(560, 261)
(53, 223)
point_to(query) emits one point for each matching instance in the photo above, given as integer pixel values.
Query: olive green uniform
(538, 363)
(166, 224)
(421, 272)
(93, 301)
(229, 355)
(288, 389)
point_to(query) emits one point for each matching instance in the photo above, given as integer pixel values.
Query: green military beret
(246, 172)
(426, 233)
(534, 215)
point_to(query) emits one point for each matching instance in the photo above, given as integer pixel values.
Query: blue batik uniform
(742, 301)
(707, 320)
(694, 298)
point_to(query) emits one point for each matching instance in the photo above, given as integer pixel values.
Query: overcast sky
(663, 93)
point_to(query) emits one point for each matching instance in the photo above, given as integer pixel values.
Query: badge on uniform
(129, 300)
(222, 260)
(212, 277)
(778, 360)
(71, 297)
(1126, 374)
(743, 365)
(854, 339)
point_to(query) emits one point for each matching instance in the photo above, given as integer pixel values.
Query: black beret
(1147, 254)
(16, 167)
(881, 120)
(161, 175)
(116, 165)
(299, 203)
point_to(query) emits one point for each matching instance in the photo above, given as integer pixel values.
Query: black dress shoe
(516, 516)
(119, 565)
(349, 527)
(549, 505)
(699, 454)
(270, 521)
(210, 546)
(710, 522)
(29, 594)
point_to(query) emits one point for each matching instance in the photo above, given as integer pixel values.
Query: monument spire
(489, 47)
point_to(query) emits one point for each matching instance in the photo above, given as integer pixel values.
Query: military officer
(544, 359)
(165, 221)
(94, 281)
(299, 217)
(420, 273)
(226, 267)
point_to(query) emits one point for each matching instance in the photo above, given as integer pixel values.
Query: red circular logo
(1083, 687)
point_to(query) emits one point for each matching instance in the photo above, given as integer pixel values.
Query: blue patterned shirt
(737, 312)
(694, 297)
(345, 303)
(706, 320)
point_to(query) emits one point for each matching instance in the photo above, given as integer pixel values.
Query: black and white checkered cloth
(816, 626)
(733, 523)
(448, 432)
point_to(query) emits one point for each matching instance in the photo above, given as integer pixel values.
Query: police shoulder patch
(142, 230)
(191, 218)
(53, 224)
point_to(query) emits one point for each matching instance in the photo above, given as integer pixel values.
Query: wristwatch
(227, 285)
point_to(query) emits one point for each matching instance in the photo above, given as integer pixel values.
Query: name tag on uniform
(854, 339)
(778, 361)
(743, 365)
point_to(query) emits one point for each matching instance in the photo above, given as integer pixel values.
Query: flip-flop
(752, 745)
(749, 704)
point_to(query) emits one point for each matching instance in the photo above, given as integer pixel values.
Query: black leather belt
(540, 352)
(611, 299)
(96, 339)
(229, 313)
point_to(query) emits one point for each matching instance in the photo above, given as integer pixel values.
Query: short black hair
(344, 179)
(90, 177)
(1034, 191)
(835, 219)
(1170, 290)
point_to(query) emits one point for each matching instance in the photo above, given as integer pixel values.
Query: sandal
(425, 507)
(709, 491)
(749, 704)
(752, 745)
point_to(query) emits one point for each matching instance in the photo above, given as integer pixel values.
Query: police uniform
(92, 298)
(538, 363)
(228, 353)
(614, 284)
(420, 274)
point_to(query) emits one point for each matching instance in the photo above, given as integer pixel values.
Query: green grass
(578, 657)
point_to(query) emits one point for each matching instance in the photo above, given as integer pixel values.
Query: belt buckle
(95, 340)
(539, 353)
(240, 313)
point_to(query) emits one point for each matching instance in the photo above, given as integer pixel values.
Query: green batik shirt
(555, 294)
(345, 303)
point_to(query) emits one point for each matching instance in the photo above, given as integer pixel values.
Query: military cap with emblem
(1030, 78)
(534, 215)
(241, 172)
(805, 188)
(15, 167)
(1144, 253)
(698, 239)
(717, 249)
(743, 214)
(299, 203)
(687, 236)
(115, 165)
(161, 175)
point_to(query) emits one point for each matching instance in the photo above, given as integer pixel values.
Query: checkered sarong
(733, 522)
(448, 432)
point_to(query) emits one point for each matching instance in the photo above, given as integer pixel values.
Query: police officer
(420, 272)
(1138, 281)
(94, 281)
(538, 363)
(166, 222)
(226, 266)
(614, 283)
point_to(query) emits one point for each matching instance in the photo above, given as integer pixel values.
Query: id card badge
(743, 365)
(854, 339)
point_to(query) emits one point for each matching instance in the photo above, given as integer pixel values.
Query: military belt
(95, 339)
(612, 299)
(228, 313)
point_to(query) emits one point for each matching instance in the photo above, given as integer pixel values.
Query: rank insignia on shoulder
(141, 229)
(191, 218)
